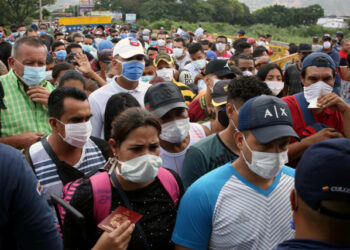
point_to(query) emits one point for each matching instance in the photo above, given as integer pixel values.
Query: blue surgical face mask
(123, 35)
(15, 34)
(32, 76)
(132, 35)
(61, 55)
(170, 45)
(145, 38)
(147, 78)
(87, 48)
(0, 35)
(132, 70)
(42, 32)
(153, 43)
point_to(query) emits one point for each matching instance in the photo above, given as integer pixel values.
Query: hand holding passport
(117, 217)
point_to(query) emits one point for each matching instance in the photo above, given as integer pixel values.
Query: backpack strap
(170, 184)
(29, 159)
(102, 194)
(308, 116)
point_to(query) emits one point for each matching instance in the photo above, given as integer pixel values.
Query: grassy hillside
(289, 35)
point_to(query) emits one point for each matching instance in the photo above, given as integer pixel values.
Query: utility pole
(41, 12)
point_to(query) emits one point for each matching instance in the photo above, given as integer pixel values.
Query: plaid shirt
(22, 114)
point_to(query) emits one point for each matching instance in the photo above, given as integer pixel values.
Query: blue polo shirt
(26, 222)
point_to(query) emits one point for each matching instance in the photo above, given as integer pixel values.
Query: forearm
(13, 141)
(296, 149)
(346, 122)
(98, 78)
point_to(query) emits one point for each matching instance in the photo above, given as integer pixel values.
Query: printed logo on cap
(275, 112)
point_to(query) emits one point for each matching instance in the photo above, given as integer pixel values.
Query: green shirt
(22, 114)
(204, 156)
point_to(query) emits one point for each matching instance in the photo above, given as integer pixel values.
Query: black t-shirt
(48, 41)
(153, 202)
(5, 52)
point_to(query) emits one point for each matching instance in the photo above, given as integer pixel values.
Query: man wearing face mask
(129, 62)
(68, 153)
(178, 134)
(334, 54)
(221, 47)
(202, 108)
(292, 74)
(44, 37)
(249, 198)
(245, 63)
(165, 67)
(59, 52)
(318, 114)
(24, 116)
(161, 42)
(180, 53)
(220, 148)
(198, 64)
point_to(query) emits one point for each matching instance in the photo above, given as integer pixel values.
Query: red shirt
(227, 55)
(331, 118)
(343, 55)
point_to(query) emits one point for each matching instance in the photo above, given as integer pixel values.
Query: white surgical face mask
(215, 81)
(77, 134)
(266, 165)
(326, 45)
(166, 73)
(247, 73)
(275, 87)
(48, 76)
(109, 79)
(178, 52)
(161, 42)
(141, 169)
(220, 47)
(315, 90)
(199, 64)
(175, 131)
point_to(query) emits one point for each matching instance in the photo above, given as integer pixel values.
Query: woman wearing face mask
(272, 75)
(136, 175)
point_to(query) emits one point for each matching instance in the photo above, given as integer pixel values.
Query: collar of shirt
(141, 87)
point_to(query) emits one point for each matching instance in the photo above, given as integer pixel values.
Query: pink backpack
(102, 193)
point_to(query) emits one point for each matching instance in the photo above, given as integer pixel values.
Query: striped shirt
(46, 172)
(222, 210)
(22, 114)
(175, 161)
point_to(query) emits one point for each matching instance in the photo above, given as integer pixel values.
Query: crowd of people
(216, 146)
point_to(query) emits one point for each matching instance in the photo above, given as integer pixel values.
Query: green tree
(229, 10)
(20, 11)
(160, 9)
(197, 11)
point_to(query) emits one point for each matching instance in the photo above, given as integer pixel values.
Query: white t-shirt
(175, 161)
(201, 84)
(183, 62)
(98, 100)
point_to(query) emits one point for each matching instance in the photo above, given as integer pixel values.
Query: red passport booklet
(117, 217)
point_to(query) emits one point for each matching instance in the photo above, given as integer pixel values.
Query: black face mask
(222, 117)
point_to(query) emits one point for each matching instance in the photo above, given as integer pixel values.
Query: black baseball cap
(219, 68)
(323, 174)
(267, 117)
(219, 95)
(304, 48)
(162, 97)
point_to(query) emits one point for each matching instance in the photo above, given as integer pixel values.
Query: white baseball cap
(128, 47)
